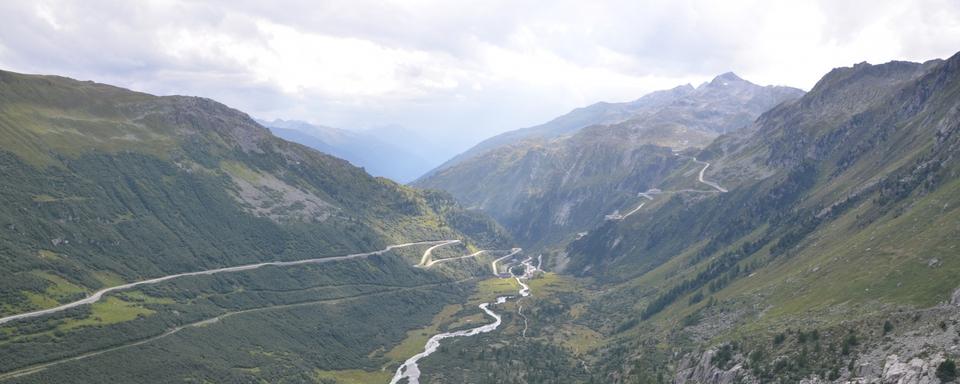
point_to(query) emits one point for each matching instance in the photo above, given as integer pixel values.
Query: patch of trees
(488, 359)
(280, 341)
(947, 371)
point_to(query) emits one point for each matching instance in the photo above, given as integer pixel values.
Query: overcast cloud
(459, 71)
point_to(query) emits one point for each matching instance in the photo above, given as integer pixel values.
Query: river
(410, 368)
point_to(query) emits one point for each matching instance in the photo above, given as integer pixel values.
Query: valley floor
(174, 319)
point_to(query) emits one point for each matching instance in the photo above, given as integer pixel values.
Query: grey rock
(699, 369)
(914, 371)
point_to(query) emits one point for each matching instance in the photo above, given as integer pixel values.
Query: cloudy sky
(457, 71)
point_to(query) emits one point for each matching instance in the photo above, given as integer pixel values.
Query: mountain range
(731, 112)
(724, 233)
(555, 180)
(103, 186)
(817, 243)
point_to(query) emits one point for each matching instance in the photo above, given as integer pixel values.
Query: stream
(411, 370)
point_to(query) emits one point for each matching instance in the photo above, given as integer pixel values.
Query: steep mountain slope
(549, 186)
(842, 216)
(103, 186)
(832, 257)
(543, 192)
(723, 97)
(363, 150)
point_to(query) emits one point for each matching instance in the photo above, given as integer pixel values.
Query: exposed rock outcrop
(914, 371)
(700, 369)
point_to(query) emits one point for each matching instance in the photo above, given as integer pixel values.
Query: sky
(451, 71)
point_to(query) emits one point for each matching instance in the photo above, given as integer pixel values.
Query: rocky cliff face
(701, 369)
(909, 356)
(893, 369)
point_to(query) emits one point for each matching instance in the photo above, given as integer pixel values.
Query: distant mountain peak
(726, 79)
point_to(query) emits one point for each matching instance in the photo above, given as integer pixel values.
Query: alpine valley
(723, 233)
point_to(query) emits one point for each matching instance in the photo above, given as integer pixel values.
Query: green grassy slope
(842, 209)
(102, 186)
(832, 257)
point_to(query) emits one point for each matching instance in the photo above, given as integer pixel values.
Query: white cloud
(457, 69)
(46, 14)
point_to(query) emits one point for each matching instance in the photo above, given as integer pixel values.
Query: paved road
(425, 260)
(700, 176)
(409, 369)
(96, 296)
(708, 182)
(493, 264)
(42, 366)
(432, 262)
(617, 216)
(649, 194)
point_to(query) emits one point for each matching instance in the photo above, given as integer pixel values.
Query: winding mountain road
(213, 320)
(409, 369)
(427, 259)
(700, 178)
(434, 262)
(708, 182)
(493, 264)
(96, 296)
(715, 188)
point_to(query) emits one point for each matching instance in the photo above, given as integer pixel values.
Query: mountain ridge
(852, 221)
(596, 114)
(560, 185)
(718, 234)
(105, 187)
(89, 131)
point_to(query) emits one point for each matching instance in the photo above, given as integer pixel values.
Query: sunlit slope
(841, 203)
(102, 185)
